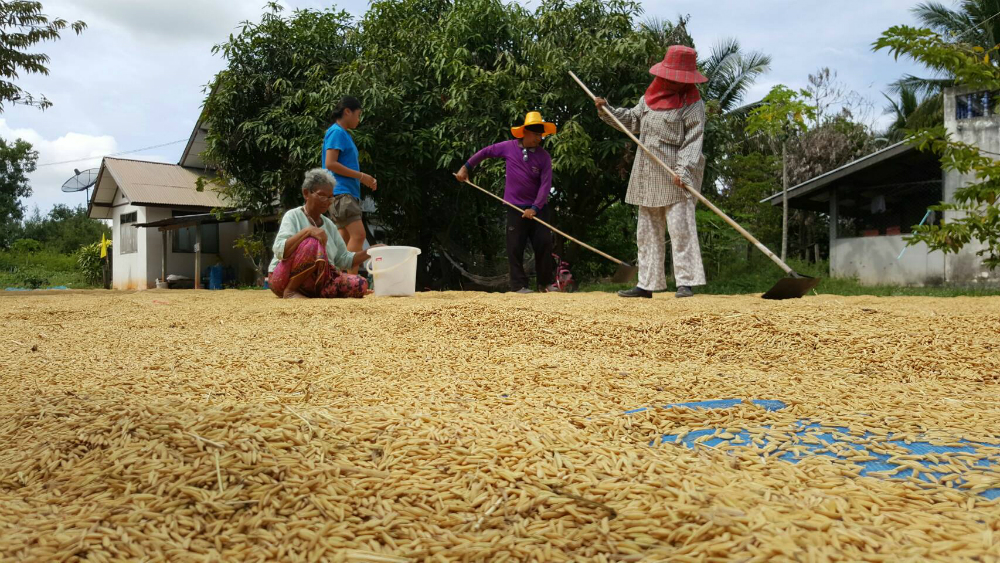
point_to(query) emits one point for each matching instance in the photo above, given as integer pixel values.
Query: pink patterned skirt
(319, 278)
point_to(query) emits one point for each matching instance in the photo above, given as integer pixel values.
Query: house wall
(128, 270)
(182, 263)
(873, 261)
(139, 270)
(965, 267)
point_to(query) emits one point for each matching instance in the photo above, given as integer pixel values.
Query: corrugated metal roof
(837, 173)
(154, 183)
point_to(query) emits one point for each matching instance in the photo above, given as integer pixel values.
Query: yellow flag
(104, 246)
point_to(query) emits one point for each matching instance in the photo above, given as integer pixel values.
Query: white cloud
(46, 181)
(172, 21)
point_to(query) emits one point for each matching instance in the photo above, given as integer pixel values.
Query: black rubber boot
(636, 292)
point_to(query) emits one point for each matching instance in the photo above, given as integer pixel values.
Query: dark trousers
(519, 232)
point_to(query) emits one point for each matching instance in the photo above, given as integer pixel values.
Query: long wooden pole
(753, 240)
(583, 244)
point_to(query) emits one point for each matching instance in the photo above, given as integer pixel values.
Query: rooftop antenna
(81, 181)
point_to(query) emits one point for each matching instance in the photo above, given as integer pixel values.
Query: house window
(977, 104)
(128, 233)
(886, 210)
(184, 239)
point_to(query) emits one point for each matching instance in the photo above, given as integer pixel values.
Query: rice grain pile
(233, 426)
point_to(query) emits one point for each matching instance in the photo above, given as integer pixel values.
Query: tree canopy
(438, 80)
(17, 160)
(23, 25)
(976, 205)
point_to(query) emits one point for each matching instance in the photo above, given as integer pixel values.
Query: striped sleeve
(630, 118)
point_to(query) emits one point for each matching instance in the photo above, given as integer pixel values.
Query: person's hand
(318, 234)
(363, 255)
(369, 181)
(678, 182)
(462, 175)
(529, 213)
(599, 103)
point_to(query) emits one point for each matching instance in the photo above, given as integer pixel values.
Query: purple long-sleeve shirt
(528, 183)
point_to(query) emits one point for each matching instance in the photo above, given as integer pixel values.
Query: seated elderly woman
(309, 253)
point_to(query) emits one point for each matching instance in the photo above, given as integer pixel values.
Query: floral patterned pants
(319, 278)
(654, 223)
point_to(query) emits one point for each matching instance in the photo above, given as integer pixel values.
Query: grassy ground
(39, 270)
(758, 278)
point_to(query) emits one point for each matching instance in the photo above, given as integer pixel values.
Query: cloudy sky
(135, 78)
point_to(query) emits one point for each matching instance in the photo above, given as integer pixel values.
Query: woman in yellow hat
(670, 120)
(528, 184)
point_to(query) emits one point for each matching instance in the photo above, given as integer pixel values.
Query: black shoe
(684, 291)
(636, 292)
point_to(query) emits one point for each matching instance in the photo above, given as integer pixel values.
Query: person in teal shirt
(340, 156)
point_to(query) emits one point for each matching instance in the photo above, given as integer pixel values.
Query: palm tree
(731, 73)
(912, 111)
(901, 109)
(666, 33)
(975, 23)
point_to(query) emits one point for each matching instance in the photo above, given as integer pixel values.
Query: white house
(134, 192)
(159, 218)
(874, 202)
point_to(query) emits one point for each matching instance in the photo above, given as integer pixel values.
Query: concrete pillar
(197, 256)
(834, 219)
(163, 261)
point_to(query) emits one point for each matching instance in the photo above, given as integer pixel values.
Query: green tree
(65, 229)
(731, 72)
(22, 25)
(912, 110)
(918, 103)
(441, 79)
(973, 23)
(268, 108)
(90, 263)
(780, 115)
(746, 179)
(976, 214)
(17, 160)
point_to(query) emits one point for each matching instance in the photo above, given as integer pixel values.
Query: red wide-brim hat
(680, 64)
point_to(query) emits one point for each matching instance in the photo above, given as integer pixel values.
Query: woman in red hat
(670, 120)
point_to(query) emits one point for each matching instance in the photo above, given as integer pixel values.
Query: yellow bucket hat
(533, 118)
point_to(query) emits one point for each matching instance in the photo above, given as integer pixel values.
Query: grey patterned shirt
(674, 135)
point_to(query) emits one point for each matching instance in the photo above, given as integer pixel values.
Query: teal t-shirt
(337, 138)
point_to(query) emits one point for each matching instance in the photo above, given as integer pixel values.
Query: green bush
(25, 246)
(614, 233)
(90, 263)
(40, 269)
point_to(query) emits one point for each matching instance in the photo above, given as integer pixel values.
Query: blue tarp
(838, 442)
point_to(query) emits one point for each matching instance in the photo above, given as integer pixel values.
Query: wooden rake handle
(788, 270)
(583, 244)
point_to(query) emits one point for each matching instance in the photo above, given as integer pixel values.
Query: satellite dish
(81, 180)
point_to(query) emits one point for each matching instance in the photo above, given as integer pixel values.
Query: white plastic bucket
(393, 270)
